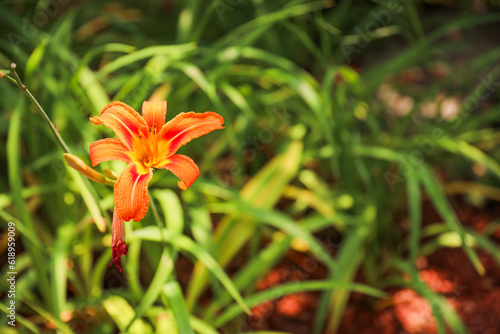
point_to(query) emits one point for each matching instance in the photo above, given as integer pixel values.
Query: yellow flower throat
(146, 153)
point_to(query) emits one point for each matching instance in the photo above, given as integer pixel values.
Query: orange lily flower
(145, 143)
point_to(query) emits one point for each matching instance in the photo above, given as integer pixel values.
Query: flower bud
(84, 169)
(109, 173)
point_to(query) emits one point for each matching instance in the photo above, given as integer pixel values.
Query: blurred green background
(358, 163)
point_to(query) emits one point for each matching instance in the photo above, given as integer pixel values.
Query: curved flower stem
(155, 211)
(157, 217)
(13, 77)
(38, 107)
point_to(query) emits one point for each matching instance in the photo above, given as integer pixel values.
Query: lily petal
(123, 120)
(131, 193)
(154, 112)
(185, 127)
(108, 149)
(184, 168)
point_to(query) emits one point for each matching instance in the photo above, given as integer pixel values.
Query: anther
(141, 133)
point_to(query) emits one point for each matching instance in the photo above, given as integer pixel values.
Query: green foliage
(310, 144)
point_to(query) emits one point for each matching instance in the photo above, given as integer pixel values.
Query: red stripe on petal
(131, 193)
(154, 112)
(123, 120)
(184, 168)
(108, 149)
(185, 127)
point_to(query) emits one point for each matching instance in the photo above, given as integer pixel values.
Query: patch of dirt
(447, 272)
